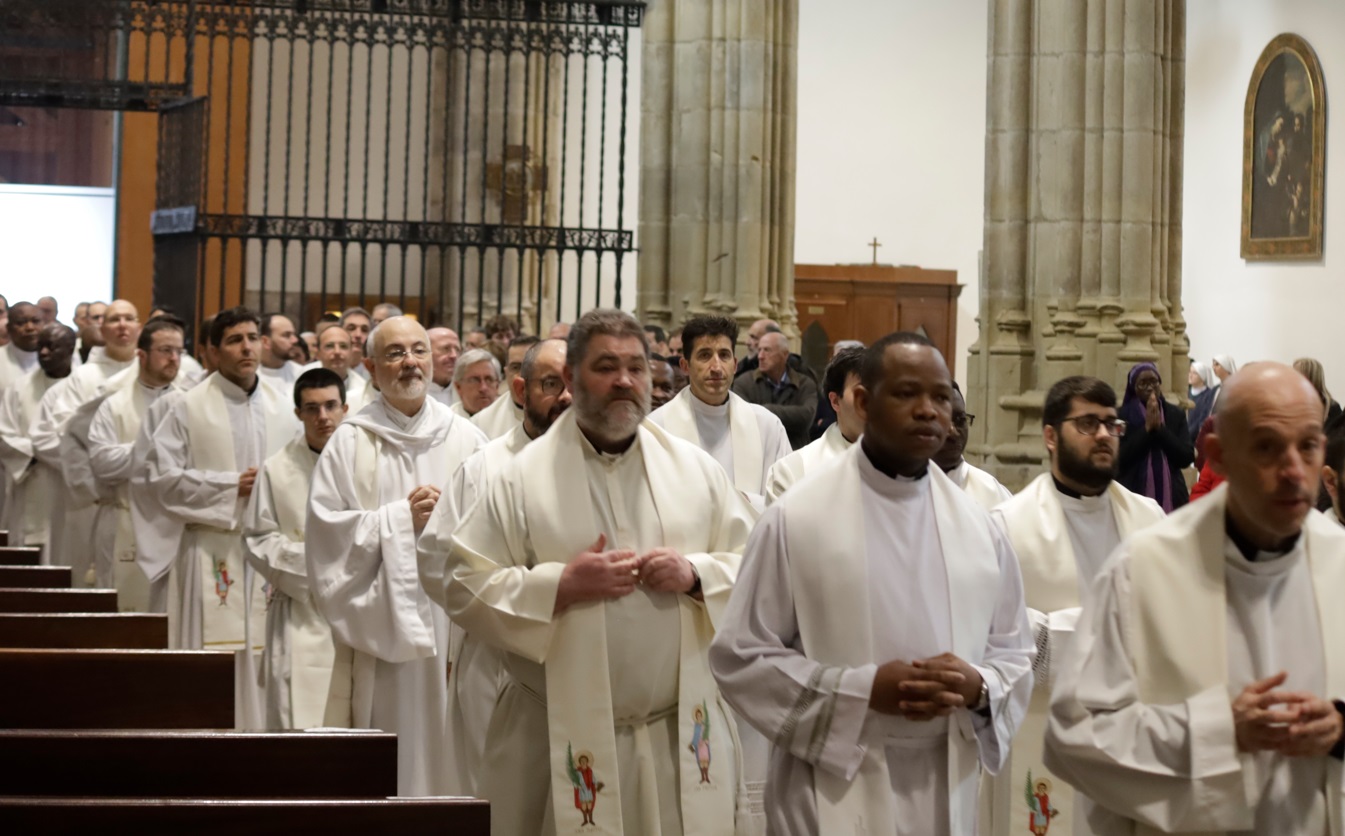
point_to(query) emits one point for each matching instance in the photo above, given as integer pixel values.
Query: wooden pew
(172, 817)
(35, 577)
(20, 555)
(112, 689)
(126, 631)
(58, 600)
(198, 764)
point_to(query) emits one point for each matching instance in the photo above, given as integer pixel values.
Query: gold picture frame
(1284, 184)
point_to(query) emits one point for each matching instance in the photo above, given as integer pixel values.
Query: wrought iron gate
(459, 158)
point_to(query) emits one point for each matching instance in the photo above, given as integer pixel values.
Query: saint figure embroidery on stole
(581, 775)
(1040, 811)
(700, 740)
(222, 582)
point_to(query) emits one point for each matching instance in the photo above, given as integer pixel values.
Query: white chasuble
(112, 435)
(611, 722)
(391, 643)
(912, 569)
(1177, 624)
(297, 663)
(210, 435)
(500, 417)
(792, 468)
(746, 439)
(32, 484)
(979, 485)
(1062, 543)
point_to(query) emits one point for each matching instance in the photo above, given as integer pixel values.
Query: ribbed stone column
(717, 160)
(1082, 252)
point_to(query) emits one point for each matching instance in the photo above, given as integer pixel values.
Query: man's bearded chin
(1082, 470)
(411, 386)
(612, 418)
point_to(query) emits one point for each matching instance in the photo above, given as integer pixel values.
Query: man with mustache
(375, 486)
(506, 412)
(299, 653)
(478, 669)
(979, 485)
(201, 469)
(1202, 690)
(601, 583)
(746, 439)
(1063, 526)
(34, 481)
(877, 635)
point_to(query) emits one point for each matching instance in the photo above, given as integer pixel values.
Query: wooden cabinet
(863, 302)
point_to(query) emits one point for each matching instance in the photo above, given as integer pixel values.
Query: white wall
(891, 138)
(57, 241)
(1257, 310)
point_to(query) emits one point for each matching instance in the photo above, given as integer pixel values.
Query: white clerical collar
(234, 392)
(700, 407)
(1076, 502)
(1264, 562)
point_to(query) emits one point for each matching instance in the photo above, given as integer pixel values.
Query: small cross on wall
(874, 243)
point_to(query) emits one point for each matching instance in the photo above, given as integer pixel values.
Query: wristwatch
(695, 587)
(982, 704)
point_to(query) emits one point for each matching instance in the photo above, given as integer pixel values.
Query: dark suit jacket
(795, 403)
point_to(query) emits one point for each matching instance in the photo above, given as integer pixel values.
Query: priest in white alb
(979, 485)
(1063, 526)
(19, 356)
(506, 412)
(478, 674)
(34, 482)
(278, 338)
(746, 439)
(877, 635)
(444, 350)
(476, 379)
(374, 488)
(111, 442)
(202, 467)
(297, 662)
(599, 562)
(838, 385)
(1202, 691)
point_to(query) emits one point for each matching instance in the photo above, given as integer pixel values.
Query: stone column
(717, 160)
(1082, 253)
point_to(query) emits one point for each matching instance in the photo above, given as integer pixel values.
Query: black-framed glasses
(964, 421)
(1088, 424)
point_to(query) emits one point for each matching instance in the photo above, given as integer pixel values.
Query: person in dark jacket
(1157, 444)
(786, 392)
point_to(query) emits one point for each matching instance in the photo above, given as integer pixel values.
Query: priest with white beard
(202, 467)
(19, 356)
(506, 412)
(444, 350)
(838, 386)
(1063, 526)
(477, 674)
(979, 485)
(746, 439)
(599, 562)
(374, 488)
(111, 440)
(1202, 691)
(297, 662)
(877, 635)
(476, 379)
(34, 481)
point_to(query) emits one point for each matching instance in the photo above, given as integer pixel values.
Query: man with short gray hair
(477, 381)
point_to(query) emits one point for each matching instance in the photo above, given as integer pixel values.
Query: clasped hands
(925, 688)
(1292, 723)
(599, 575)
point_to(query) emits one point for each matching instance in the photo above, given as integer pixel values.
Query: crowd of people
(617, 580)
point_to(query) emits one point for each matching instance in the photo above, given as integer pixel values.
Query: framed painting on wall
(1284, 154)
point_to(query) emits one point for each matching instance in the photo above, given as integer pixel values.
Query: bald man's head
(445, 347)
(121, 329)
(399, 360)
(1268, 443)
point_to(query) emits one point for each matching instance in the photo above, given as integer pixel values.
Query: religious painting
(1283, 157)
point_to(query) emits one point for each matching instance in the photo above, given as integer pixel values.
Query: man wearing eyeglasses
(478, 675)
(111, 441)
(476, 378)
(979, 485)
(299, 653)
(374, 488)
(1063, 526)
(506, 412)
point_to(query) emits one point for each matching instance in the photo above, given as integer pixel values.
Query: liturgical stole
(828, 565)
(578, 687)
(1180, 620)
(1040, 536)
(744, 435)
